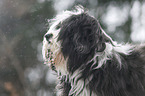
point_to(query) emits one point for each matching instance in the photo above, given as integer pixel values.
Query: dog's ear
(90, 37)
(93, 37)
(77, 34)
(82, 34)
(83, 39)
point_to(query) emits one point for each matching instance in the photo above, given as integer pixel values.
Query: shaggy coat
(88, 62)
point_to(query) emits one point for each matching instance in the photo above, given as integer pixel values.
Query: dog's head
(72, 39)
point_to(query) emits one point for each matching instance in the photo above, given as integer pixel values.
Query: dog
(88, 62)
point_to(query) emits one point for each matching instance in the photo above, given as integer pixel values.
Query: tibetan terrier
(88, 62)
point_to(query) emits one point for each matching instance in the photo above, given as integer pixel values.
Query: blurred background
(24, 22)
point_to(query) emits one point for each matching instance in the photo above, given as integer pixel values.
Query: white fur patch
(111, 50)
(79, 86)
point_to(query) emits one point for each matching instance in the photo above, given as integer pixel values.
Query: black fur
(64, 85)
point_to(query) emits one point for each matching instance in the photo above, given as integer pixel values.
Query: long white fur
(111, 50)
(79, 86)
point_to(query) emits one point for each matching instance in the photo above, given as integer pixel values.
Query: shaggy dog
(88, 62)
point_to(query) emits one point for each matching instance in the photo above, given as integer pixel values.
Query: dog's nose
(48, 36)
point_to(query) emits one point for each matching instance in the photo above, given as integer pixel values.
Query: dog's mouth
(50, 60)
(52, 55)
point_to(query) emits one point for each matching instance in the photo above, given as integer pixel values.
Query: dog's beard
(50, 60)
(47, 54)
(53, 57)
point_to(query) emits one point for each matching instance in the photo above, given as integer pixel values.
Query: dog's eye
(58, 26)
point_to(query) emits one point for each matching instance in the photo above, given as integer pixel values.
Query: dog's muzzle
(50, 53)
